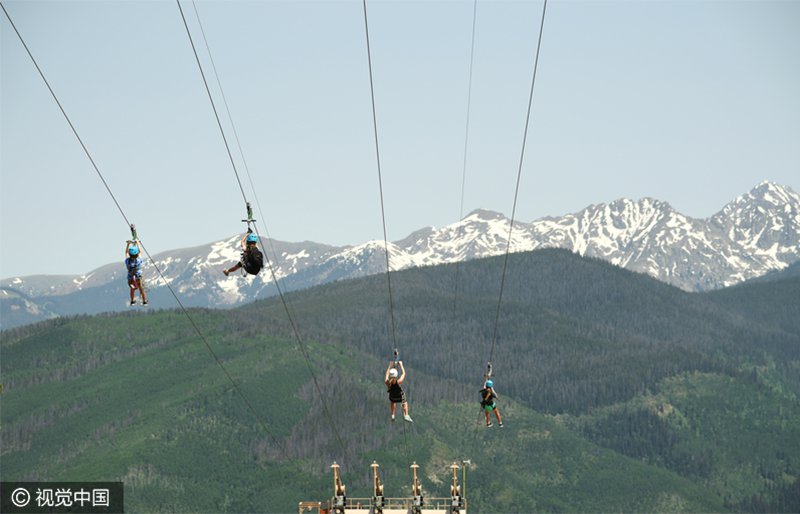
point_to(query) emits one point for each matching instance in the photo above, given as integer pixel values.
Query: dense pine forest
(620, 393)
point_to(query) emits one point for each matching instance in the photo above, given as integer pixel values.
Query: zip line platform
(417, 503)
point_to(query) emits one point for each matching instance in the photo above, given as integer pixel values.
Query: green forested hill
(619, 394)
(574, 333)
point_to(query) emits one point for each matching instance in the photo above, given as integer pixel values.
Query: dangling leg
(405, 413)
(392, 404)
(231, 270)
(488, 421)
(497, 414)
(132, 289)
(140, 284)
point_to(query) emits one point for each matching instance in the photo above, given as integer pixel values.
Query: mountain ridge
(754, 234)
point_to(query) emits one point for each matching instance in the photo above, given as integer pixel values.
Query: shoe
(392, 417)
(146, 302)
(408, 418)
(489, 425)
(500, 425)
(226, 272)
(133, 302)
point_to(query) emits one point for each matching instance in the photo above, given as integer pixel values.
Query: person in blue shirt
(133, 262)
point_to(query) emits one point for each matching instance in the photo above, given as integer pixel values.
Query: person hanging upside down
(488, 403)
(396, 394)
(134, 265)
(252, 259)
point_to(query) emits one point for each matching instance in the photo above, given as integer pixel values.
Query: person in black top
(396, 394)
(252, 260)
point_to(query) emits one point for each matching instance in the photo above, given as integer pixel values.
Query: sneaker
(489, 425)
(226, 272)
(133, 302)
(408, 418)
(146, 302)
(392, 417)
(500, 425)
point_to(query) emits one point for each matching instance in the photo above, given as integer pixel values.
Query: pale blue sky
(686, 101)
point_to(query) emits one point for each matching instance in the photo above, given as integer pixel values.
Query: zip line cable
(296, 331)
(464, 168)
(519, 175)
(236, 137)
(150, 258)
(213, 106)
(463, 187)
(380, 178)
(71, 126)
(514, 208)
(304, 351)
(380, 188)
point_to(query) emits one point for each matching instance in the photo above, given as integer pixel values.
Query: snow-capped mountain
(756, 233)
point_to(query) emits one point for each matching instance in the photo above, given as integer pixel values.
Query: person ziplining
(133, 263)
(394, 380)
(252, 260)
(488, 394)
(488, 397)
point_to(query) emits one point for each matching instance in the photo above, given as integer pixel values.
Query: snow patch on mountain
(755, 233)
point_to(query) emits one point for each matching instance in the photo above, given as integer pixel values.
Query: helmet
(252, 238)
(133, 251)
(393, 373)
(489, 383)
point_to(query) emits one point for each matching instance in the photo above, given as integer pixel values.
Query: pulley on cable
(251, 260)
(249, 219)
(133, 263)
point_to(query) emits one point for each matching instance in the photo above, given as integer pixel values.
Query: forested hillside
(619, 393)
(574, 333)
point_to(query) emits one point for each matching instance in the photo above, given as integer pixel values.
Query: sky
(690, 102)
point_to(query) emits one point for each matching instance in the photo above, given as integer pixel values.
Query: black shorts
(398, 399)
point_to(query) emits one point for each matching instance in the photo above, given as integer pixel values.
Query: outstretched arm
(402, 373)
(386, 377)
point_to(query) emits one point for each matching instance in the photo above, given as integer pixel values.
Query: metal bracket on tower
(416, 491)
(456, 503)
(378, 501)
(339, 496)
